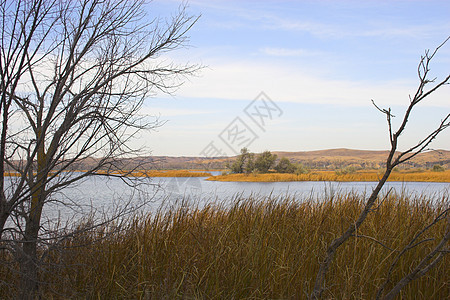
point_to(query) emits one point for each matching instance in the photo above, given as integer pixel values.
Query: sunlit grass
(11, 174)
(253, 248)
(374, 175)
(314, 175)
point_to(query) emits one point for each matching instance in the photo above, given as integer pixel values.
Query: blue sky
(319, 62)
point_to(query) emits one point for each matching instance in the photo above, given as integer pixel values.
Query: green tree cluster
(265, 161)
(285, 166)
(243, 162)
(248, 162)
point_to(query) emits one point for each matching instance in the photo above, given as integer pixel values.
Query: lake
(106, 194)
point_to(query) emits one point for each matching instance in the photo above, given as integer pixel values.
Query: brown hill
(320, 159)
(338, 158)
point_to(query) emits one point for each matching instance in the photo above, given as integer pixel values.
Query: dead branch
(420, 269)
(73, 78)
(391, 162)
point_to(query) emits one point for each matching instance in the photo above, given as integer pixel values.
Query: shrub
(438, 168)
(285, 166)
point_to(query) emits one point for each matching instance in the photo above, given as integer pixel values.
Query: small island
(266, 167)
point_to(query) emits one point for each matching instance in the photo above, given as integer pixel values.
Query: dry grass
(374, 175)
(370, 175)
(11, 174)
(251, 249)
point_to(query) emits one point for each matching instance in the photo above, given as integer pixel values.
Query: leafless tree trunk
(392, 161)
(74, 75)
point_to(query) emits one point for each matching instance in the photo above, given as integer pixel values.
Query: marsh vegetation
(255, 248)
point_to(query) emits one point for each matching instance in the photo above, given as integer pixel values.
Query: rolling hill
(320, 159)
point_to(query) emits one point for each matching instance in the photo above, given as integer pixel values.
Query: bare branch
(73, 78)
(373, 239)
(422, 145)
(391, 162)
(424, 266)
(413, 244)
(388, 114)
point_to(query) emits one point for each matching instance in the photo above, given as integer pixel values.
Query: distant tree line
(248, 162)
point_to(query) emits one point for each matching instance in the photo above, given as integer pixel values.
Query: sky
(300, 76)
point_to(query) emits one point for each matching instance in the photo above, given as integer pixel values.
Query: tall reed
(249, 248)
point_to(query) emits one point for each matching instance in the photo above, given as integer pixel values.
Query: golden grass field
(375, 175)
(253, 248)
(314, 175)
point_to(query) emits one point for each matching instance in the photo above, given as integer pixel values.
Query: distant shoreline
(313, 175)
(363, 176)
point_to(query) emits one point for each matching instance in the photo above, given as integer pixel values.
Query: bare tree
(74, 75)
(394, 159)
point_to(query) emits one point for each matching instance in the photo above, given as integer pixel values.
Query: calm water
(105, 195)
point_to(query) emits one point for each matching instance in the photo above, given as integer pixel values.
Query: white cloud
(172, 112)
(239, 80)
(287, 52)
(339, 26)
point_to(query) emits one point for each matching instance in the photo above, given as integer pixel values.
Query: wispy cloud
(172, 112)
(322, 61)
(366, 28)
(287, 52)
(342, 23)
(240, 80)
